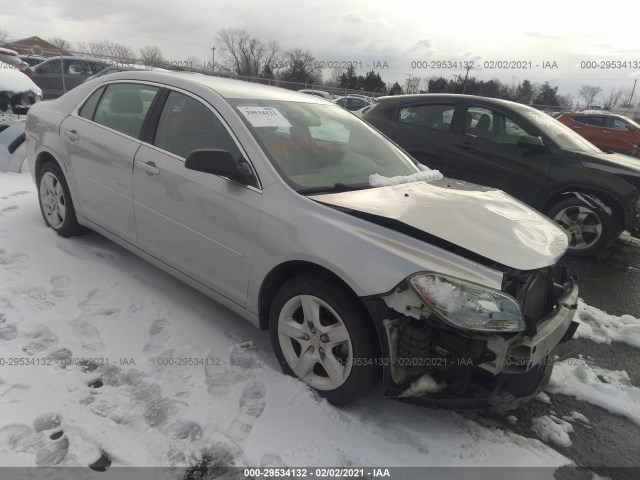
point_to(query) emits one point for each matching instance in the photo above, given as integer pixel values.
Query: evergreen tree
(548, 96)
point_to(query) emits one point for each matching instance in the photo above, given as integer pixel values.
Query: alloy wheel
(52, 200)
(315, 342)
(582, 224)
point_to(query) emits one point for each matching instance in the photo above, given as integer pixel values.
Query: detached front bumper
(469, 371)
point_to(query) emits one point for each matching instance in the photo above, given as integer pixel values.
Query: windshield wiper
(336, 188)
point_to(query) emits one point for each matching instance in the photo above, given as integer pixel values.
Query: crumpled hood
(485, 221)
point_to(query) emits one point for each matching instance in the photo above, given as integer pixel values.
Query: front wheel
(55, 202)
(589, 223)
(323, 337)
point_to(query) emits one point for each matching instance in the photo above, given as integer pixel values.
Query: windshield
(316, 146)
(559, 133)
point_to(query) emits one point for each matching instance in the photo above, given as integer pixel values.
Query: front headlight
(468, 305)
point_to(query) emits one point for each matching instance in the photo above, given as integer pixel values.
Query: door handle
(72, 135)
(149, 167)
(465, 146)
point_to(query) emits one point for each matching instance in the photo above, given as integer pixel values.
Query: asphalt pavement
(610, 444)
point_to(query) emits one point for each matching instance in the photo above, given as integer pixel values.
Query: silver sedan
(309, 223)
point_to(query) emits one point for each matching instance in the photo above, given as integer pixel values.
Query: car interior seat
(126, 112)
(482, 127)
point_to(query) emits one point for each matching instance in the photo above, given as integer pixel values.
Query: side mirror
(630, 127)
(531, 143)
(219, 162)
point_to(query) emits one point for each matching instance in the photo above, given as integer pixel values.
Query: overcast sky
(369, 33)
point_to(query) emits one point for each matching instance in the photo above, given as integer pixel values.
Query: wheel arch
(44, 157)
(609, 199)
(290, 269)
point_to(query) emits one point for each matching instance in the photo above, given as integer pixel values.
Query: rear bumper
(500, 372)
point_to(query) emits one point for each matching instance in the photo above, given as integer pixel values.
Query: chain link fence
(61, 74)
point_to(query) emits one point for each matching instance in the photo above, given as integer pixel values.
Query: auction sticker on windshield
(264, 117)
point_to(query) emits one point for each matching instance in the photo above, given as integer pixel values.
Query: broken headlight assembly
(467, 305)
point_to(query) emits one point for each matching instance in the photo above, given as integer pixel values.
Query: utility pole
(632, 90)
(409, 83)
(213, 59)
(466, 77)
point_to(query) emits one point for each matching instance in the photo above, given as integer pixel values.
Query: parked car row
(362, 263)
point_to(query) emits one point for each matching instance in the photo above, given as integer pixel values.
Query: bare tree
(412, 84)
(613, 98)
(627, 98)
(566, 101)
(107, 49)
(300, 67)
(60, 43)
(334, 77)
(151, 55)
(4, 35)
(588, 93)
(246, 55)
(193, 63)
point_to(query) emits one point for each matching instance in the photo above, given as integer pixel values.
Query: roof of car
(594, 112)
(226, 87)
(391, 99)
(84, 59)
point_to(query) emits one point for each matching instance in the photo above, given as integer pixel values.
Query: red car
(607, 131)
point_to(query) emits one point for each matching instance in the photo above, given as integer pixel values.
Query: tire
(590, 227)
(55, 202)
(340, 337)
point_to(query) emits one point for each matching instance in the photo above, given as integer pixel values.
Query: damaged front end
(452, 343)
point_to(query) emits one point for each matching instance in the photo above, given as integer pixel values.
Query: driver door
(201, 224)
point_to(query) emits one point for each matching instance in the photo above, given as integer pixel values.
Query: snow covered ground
(105, 357)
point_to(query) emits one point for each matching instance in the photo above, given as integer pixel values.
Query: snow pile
(611, 390)
(116, 362)
(425, 174)
(543, 397)
(576, 416)
(600, 327)
(13, 80)
(552, 429)
(424, 385)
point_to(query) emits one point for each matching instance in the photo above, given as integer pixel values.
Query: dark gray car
(48, 75)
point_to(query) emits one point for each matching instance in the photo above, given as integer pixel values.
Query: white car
(317, 93)
(11, 57)
(352, 103)
(17, 94)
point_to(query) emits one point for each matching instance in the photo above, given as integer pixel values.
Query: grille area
(537, 291)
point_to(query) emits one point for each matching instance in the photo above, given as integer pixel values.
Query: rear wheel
(589, 225)
(55, 202)
(322, 336)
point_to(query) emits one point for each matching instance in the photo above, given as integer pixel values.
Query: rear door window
(124, 107)
(433, 115)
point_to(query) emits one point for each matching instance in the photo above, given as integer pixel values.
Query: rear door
(486, 152)
(101, 141)
(424, 130)
(201, 224)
